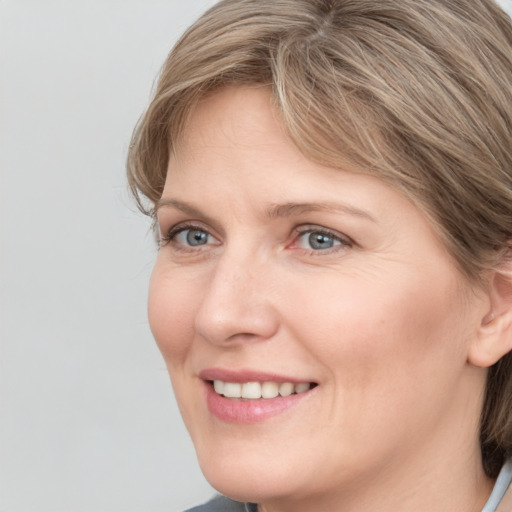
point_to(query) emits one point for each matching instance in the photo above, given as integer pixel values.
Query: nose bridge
(235, 305)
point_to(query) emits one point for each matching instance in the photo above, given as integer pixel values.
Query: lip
(248, 411)
(246, 376)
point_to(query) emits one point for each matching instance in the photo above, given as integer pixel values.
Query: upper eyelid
(168, 214)
(301, 229)
(308, 228)
(344, 242)
(183, 225)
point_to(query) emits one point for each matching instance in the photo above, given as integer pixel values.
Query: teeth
(286, 389)
(218, 386)
(251, 390)
(269, 390)
(300, 388)
(256, 390)
(232, 390)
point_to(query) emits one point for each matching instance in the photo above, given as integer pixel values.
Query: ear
(494, 338)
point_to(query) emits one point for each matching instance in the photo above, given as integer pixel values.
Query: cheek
(171, 313)
(392, 356)
(381, 333)
(171, 316)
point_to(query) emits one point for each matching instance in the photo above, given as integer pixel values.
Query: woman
(332, 185)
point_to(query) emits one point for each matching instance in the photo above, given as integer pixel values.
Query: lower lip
(249, 411)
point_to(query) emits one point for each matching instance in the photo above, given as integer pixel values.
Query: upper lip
(246, 375)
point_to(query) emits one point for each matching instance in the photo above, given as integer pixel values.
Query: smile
(258, 390)
(247, 396)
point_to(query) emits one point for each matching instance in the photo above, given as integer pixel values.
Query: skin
(382, 321)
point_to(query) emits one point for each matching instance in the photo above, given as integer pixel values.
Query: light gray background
(87, 418)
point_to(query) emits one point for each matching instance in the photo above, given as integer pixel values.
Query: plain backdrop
(88, 422)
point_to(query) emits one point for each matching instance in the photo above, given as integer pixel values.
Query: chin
(249, 486)
(249, 477)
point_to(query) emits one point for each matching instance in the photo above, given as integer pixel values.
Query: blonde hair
(417, 92)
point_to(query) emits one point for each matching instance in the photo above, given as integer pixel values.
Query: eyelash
(176, 230)
(343, 241)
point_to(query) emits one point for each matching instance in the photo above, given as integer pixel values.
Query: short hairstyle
(415, 92)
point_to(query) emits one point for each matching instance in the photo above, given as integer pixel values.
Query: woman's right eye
(193, 237)
(188, 237)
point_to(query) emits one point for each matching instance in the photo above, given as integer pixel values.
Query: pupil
(196, 237)
(319, 241)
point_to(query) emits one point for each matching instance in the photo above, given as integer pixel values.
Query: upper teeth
(257, 390)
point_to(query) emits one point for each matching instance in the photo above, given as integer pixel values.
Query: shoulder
(220, 504)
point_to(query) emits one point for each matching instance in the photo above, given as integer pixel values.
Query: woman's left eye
(318, 240)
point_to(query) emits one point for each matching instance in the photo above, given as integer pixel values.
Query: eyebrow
(179, 205)
(290, 209)
(276, 210)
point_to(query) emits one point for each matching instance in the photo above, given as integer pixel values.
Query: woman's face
(277, 274)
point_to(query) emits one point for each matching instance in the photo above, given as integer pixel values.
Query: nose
(237, 304)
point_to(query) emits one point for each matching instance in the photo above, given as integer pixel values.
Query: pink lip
(247, 411)
(245, 376)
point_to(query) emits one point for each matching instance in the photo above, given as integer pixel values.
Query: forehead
(237, 114)
(235, 146)
(236, 136)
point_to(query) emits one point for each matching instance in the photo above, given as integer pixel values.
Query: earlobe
(494, 338)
